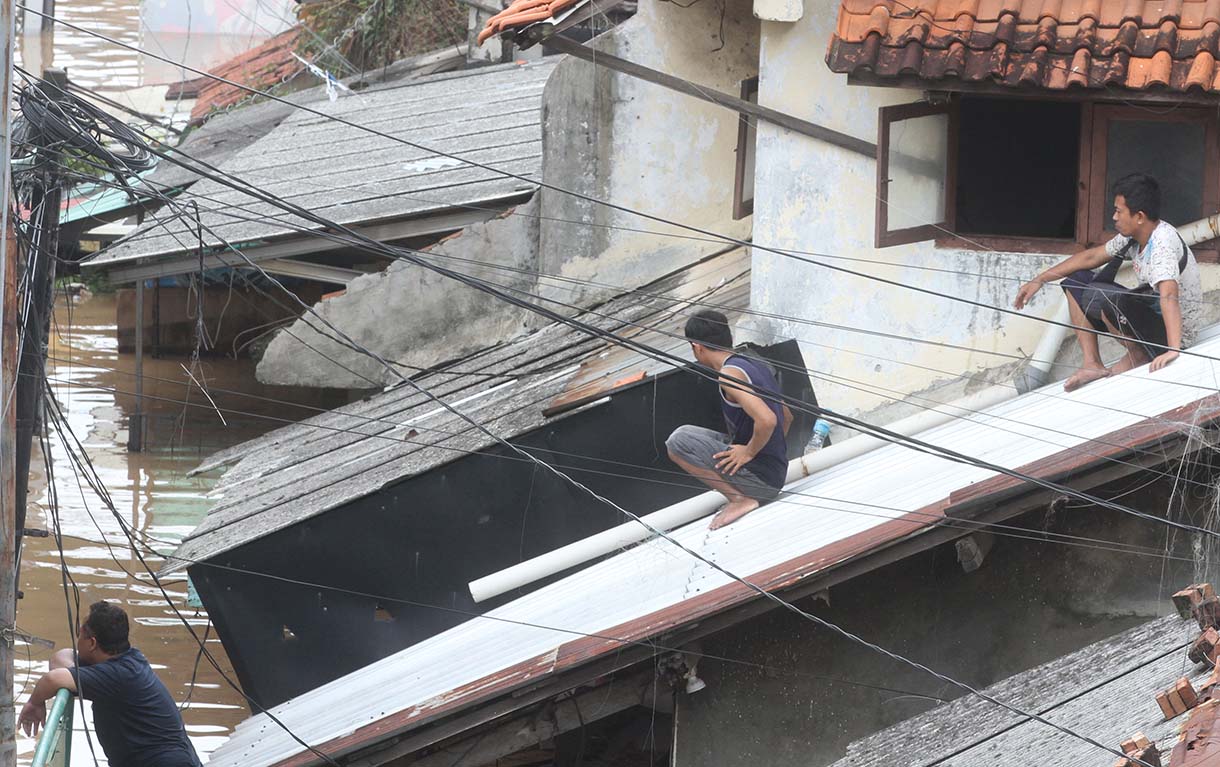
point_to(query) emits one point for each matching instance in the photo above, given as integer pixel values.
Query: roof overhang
(1130, 50)
(168, 265)
(467, 712)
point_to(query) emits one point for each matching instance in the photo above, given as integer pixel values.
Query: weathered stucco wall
(820, 199)
(413, 317)
(623, 140)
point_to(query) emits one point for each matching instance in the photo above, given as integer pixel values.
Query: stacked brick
(1199, 738)
(1139, 751)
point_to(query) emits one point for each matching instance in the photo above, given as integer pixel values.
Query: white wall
(645, 147)
(811, 196)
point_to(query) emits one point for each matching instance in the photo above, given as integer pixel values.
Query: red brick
(1204, 648)
(1162, 700)
(1186, 692)
(1190, 596)
(1207, 613)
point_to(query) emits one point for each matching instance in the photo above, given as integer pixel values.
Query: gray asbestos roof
(302, 470)
(1105, 691)
(490, 114)
(232, 130)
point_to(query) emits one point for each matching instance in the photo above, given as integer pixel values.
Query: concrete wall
(635, 144)
(814, 197)
(1031, 601)
(409, 315)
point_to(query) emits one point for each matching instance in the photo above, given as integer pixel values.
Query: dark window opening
(1017, 167)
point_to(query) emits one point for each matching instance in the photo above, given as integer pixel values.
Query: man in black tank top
(749, 464)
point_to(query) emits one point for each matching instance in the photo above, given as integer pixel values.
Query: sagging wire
(83, 466)
(752, 587)
(914, 444)
(592, 199)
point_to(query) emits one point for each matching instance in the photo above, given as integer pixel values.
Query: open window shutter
(916, 147)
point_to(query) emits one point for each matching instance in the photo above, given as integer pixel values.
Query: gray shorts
(698, 446)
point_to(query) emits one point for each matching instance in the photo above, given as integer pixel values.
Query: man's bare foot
(1084, 376)
(733, 512)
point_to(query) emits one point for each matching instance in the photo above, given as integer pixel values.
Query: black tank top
(771, 463)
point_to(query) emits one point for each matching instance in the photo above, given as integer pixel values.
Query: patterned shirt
(1158, 261)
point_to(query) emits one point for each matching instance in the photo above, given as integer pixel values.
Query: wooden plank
(782, 119)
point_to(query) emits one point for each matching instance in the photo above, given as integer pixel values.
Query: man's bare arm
(1089, 258)
(787, 420)
(1171, 312)
(34, 712)
(764, 422)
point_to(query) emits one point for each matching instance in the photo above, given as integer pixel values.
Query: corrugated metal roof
(1105, 691)
(654, 588)
(490, 115)
(309, 468)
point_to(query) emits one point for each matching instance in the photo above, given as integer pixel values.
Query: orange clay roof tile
(522, 12)
(1055, 44)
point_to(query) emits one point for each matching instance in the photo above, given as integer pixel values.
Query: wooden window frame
(1093, 195)
(886, 117)
(746, 124)
(1090, 183)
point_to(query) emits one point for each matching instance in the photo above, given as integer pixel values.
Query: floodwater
(201, 35)
(151, 492)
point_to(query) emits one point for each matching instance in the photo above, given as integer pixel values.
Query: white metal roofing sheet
(471, 662)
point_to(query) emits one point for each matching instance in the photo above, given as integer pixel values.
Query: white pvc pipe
(1201, 231)
(681, 513)
(684, 512)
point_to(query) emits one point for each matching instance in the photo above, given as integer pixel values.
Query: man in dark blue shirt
(134, 715)
(749, 464)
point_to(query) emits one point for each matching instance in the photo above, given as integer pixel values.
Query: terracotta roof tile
(261, 67)
(523, 12)
(1056, 44)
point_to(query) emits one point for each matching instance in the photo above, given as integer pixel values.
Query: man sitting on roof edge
(1156, 319)
(750, 463)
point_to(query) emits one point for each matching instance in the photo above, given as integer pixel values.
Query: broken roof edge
(130, 268)
(231, 455)
(839, 560)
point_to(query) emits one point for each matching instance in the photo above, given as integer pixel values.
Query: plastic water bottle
(821, 430)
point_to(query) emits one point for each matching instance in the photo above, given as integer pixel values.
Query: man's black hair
(710, 328)
(1141, 192)
(107, 623)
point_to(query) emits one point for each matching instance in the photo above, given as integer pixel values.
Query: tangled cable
(54, 117)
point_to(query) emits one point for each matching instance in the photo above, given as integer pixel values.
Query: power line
(651, 352)
(589, 198)
(749, 586)
(937, 519)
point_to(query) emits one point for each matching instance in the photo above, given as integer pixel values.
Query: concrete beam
(309, 271)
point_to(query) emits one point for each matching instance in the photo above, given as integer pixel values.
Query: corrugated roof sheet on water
(654, 588)
(1105, 691)
(306, 469)
(491, 115)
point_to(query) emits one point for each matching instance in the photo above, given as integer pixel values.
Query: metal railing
(54, 747)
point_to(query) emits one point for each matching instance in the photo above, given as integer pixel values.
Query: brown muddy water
(153, 493)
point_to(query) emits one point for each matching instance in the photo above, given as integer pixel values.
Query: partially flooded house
(400, 503)
(892, 174)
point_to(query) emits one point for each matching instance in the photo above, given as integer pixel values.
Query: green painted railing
(55, 743)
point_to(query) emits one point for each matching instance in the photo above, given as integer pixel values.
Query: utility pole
(8, 375)
(36, 322)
